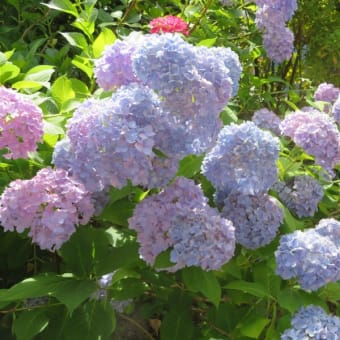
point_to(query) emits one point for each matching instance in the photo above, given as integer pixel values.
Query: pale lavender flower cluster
(317, 134)
(111, 141)
(256, 218)
(312, 322)
(268, 120)
(180, 218)
(21, 125)
(301, 195)
(312, 256)
(114, 67)
(50, 204)
(326, 92)
(243, 160)
(271, 17)
(336, 110)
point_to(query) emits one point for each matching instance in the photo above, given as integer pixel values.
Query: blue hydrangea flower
(312, 322)
(326, 92)
(180, 218)
(301, 195)
(312, 256)
(268, 120)
(114, 67)
(243, 160)
(256, 218)
(111, 141)
(336, 110)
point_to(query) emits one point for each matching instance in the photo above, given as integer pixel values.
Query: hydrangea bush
(164, 178)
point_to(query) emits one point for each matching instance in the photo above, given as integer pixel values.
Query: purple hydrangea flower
(301, 195)
(312, 322)
(312, 256)
(21, 125)
(327, 93)
(114, 67)
(271, 17)
(317, 134)
(268, 120)
(50, 204)
(111, 141)
(256, 218)
(336, 110)
(243, 160)
(180, 218)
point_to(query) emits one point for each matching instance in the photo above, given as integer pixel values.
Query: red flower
(170, 24)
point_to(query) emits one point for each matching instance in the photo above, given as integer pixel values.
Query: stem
(128, 10)
(14, 310)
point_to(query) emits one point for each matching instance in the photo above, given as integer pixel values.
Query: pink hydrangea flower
(21, 126)
(170, 24)
(50, 204)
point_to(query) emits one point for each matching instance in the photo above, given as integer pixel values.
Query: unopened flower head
(301, 195)
(243, 160)
(312, 256)
(179, 218)
(21, 125)
(169, 24)
(51, 205)
(317, 134)
(256, 218)
(312, 322)
(268, 120)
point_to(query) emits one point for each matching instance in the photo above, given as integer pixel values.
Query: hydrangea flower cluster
(111, 141)
(21, 125)
(326, 92)
(194, 83)
(312, 322)
(271, 17)
(317, 134)
(301, 195)
(312, 256)
(268, 120)
(256, 218)
(243, 160)
(180, 218)
(169, 24)
(114, 67)
(336, 110)
(50, 204)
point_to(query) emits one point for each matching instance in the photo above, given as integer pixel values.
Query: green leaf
(41, 73)
(92, 320)
(207, 42)
(189, 166)
(83, 64)
(52, 129)
(253, 288)
(163, 260)
(106, 37)
(253, 326)
(68, 290)
(198, 280)
(76, 39)
(62, 90)
(177, 324)
(118, 212)
(63, 6)
(8, 71)
(28, 84)
(87, 251)
(29, 323)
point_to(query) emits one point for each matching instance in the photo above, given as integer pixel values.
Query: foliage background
(47, 50)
